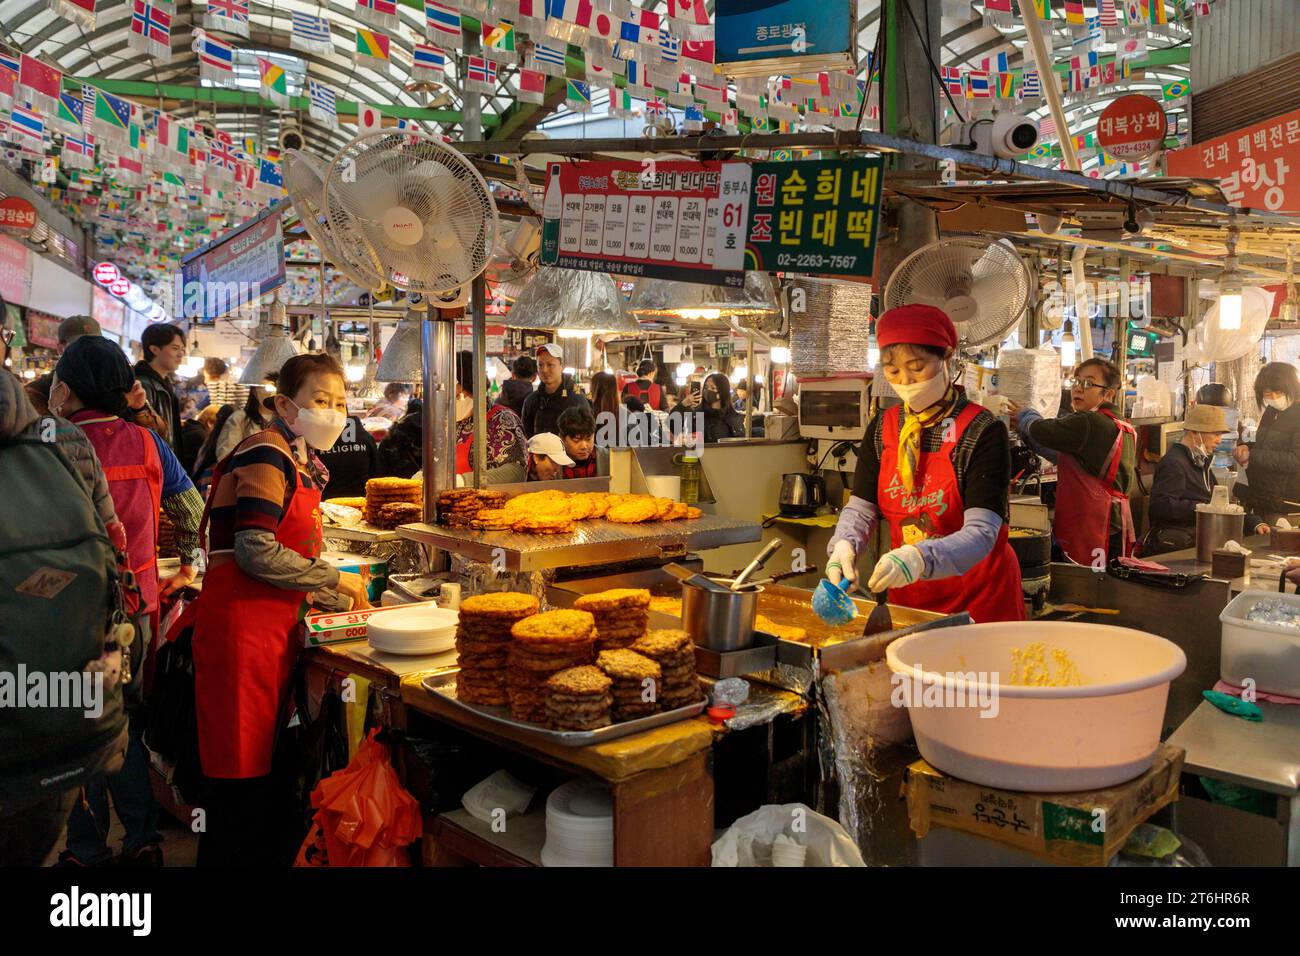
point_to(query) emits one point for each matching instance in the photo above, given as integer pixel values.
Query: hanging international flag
(216, 58)
(322, 105)
(310, 34)
(531, 18)
(1109, 17)
(111, 119)
(532, 86)
(1174, 93)
(995, 64)
(228, 16)
(951, 77)
(977, 85)
(475, 8)
(79, 151)
(998, 13)
(1030, 87)
(151, 28)
(1156, 13)
(1108, 73)
(480, 75)
(693, 119)
(1201, 9)
(689, 19)
(77, 11)
(1047, 127)
(275, 82)
(670, 48)
(1041, 151)
(1074, 13)
(700, 53)
(270, 177)
(1006, 85)
(712, 90)
(548, 59)
(369, 119)
(8, 79)
(221, 158)
(577, 96)
(173, 141)
(499, 42)
(1044, 10)
(372, 50)
(604, 32)
(620, 104)
(70, 116)
(442, 23)
(568, 20)
(378, 13)
(641, 29)
(39, 83)
(428, 63)
(27, 128)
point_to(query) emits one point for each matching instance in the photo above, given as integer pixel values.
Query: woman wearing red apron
(263, 532)
(937, 468)
(1095, 452)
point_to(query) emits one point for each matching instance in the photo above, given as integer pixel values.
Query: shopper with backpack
(644, 389)
(91, 383)
(60, 571)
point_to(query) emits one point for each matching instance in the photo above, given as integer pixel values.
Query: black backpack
(58, 591)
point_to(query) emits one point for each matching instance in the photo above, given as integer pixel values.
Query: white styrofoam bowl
(1040, 738)
(415, 629)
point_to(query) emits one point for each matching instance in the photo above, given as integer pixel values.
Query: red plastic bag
(365, 817)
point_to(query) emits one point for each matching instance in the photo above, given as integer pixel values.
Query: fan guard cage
(304, 181)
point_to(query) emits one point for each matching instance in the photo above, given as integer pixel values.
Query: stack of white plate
(423, 629)
(579, 825)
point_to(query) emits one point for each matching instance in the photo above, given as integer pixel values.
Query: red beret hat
(916, 325)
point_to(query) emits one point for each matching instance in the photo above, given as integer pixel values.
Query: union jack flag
(230, 16)
(221, 154)
(656, 107)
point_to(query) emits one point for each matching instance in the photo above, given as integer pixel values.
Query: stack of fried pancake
(389, 491)
(636, 682)
(578, 699)
(483, 644)
(540, 646)
(622, 615)
(674, 652)
(459, 507)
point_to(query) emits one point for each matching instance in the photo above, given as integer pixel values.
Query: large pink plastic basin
(1041, 738)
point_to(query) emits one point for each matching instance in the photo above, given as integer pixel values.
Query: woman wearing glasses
(1095, 452)
(937, 469)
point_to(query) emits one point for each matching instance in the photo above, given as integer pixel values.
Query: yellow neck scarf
(909, 435)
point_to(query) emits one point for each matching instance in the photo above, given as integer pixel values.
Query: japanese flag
(605, 26)
(369, 118)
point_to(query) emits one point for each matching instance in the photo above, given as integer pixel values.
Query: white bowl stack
(579, 825)
(420, 630)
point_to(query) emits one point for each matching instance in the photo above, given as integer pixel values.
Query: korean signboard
(653, 219)
(17, 216)
(15, 271)
(709, 222)
(786, 36)
(42, 329)
(817, 216)
(233, 273)
(1257, 167)
(1132, 128)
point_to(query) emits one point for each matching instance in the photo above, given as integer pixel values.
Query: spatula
(880, 619)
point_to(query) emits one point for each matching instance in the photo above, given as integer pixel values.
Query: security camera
(1005, 136)
(1136, 222)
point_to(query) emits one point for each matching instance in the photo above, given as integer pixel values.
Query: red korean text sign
(1132, 128)
(17, 216)
(1257, 167)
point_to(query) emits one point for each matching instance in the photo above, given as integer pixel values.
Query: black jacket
(401, 451)
(1180, 484)
(719, 423)
(542, 410)
(162, 399)
(1274, 469)
(352, 461)
(514, 391)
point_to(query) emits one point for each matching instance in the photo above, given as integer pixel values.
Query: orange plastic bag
(364, 816)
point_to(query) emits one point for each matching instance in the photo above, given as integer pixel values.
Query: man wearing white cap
(546, 457)
(557, 392)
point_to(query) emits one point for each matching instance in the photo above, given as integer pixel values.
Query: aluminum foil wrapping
(478, 577)
(764, 705)
(832, 332)
(571, 300)
(668, 299)
(403, 556)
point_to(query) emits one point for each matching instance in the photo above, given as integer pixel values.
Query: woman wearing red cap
(937, 468)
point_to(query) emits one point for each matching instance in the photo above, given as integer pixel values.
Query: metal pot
(720, 620)
(1214, 530)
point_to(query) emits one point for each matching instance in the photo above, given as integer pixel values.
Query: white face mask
(1281, 404)
(921, 395)
(320, 427)
(464, 407)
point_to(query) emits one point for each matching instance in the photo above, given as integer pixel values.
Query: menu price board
(653, 219)
(1257, 167)
(235, 272)
(818, 216)
(709, 222)
(15, 271)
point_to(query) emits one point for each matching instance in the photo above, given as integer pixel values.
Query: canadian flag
(369, 118)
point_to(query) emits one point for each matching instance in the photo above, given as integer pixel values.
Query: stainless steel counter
(1265, 564)
(1264, 754)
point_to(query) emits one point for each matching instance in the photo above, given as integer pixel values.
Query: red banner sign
(42, 329)
(106, 273)
(1257, 167)
(15, 271)
(17, 216)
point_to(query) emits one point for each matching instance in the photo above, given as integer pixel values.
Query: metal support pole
(478, 320)
(1047, 80)
(749, 390)
(438, 376)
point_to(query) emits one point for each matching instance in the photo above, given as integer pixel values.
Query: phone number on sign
(814, 260)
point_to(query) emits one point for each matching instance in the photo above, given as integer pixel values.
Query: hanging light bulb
(354, 372)
(739, 374)
(780, 355)
(1230, 288)
(1067, 346)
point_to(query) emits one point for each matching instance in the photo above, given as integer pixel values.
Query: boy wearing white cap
(546, 457)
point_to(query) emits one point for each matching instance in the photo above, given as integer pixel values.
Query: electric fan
(305, 183)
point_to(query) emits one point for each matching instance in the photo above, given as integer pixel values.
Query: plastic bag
(364, 815)
(748, 841)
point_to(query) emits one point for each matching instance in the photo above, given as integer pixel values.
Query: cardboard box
(1077, 829)
(373, 571)
(328, 627)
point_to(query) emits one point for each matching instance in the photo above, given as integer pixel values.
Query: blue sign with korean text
(746, 30)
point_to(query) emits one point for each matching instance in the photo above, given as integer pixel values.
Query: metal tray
(443, 684)
(595, 542)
